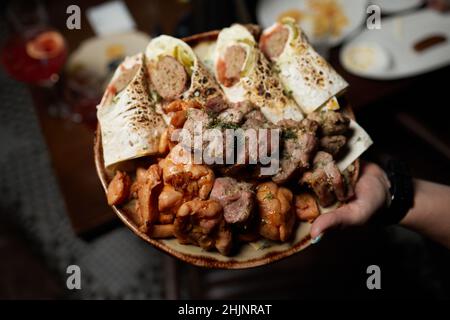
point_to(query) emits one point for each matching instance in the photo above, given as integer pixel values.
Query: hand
(440, 5)
(371, 194)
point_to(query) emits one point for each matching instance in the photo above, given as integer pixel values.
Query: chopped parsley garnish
(269, 196)
(216, 123)
(289, 134)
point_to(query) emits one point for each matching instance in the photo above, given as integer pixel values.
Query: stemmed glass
(35, 53)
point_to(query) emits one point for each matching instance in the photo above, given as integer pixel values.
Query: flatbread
(258, 84)
(130, 126)
(203, 86)
(306, 74)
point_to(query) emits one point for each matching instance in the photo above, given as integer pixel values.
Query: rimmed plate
(389, 53)
(351, 13)
(396, 6)
(248, 255)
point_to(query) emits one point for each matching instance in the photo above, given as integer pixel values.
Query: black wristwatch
(401, 192)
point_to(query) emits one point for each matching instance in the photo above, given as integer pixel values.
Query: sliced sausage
(169, 77)
(272, 44)
(229, 68)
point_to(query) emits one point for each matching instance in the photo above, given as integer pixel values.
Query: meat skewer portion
(236, 198)
(299, 145)
(331, 122)
(326, 180)
(332, 144)
(333, 127)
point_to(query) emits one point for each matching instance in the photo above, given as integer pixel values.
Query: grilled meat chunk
(326, 180)
(332, 144)
(200, 222)
(299, 145)
(236, 198)
(236, 113)
(331, 122)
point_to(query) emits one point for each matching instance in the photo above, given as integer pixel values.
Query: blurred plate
(101, 55)
(89, 69)
(395, 6)
(389, 53)
(348, 16)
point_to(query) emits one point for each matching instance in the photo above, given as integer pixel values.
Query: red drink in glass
(36, 59)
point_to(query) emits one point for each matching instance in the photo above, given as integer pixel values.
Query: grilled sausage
(272, 44)
(169, 77)
(229, 68)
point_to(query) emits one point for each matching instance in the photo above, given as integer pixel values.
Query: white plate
(268, 11)
(395, 6)
(95, 54)
(395, 41)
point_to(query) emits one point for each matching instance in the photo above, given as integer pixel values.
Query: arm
(429, 216)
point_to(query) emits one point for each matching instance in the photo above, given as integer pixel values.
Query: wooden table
(70, 144)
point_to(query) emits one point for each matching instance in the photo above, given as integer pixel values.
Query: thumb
(335, 219)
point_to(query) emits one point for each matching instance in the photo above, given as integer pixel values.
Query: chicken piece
(331, 122)
(183, 180)
(169, 199)
(224, 239)
(166, 218)
(164, 142)
(200, 222)
(119, 189)
(306, 207)
(180, 105)
(236, 198)
(132, 211)
(275, 211)
(177, 110)
(149, 188)
(194, 179)
(162, 231)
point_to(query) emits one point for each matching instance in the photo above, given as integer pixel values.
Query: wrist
(399, 192)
